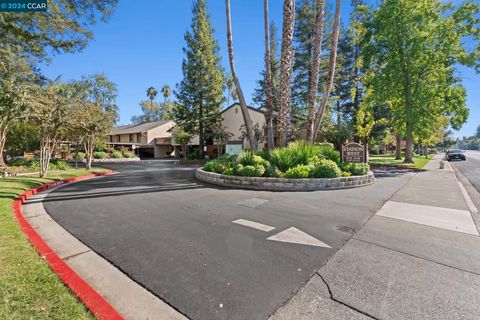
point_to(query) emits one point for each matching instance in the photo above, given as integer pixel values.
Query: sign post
(354, 152)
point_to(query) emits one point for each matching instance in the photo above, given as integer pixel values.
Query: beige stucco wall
(159, 132)
(233, 120)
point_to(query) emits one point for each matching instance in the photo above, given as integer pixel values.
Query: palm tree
(151, 94)
(286, 64)
(243, 104)
(166, 92)
(230, 87)
(267, 83)
(315, 67)
(331, 71)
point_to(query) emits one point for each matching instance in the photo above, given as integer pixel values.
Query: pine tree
(200, 93)
(304, 50)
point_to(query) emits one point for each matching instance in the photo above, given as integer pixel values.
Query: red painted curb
(85, 293)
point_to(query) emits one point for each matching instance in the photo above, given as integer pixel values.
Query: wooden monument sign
(354, 152)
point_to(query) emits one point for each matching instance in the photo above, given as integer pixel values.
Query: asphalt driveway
(176, 237)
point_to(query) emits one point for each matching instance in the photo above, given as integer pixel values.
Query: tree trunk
(89, 146)
(398, 147)
(184, 149)
(268, 82)
(243, 104)
(420, 147)
(315, 68)
(409, 150)
(46, 147)
(3, 139)
(331, 71)
(201, 137)
(76, 155)
(286, 66)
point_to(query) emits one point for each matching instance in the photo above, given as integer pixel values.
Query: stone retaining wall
(283, 184)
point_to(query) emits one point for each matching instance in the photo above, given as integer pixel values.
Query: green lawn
(28, 288)
(389, 160)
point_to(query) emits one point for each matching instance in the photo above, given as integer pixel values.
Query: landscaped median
(298, 167)
(28, 288)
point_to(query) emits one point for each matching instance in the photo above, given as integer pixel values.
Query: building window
(110, 139)
(117, 138)
(236, 110)
(139, 137)
(130, 137)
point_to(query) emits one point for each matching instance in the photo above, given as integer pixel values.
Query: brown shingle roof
(137, 128)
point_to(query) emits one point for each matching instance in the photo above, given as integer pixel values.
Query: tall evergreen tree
(200, 93)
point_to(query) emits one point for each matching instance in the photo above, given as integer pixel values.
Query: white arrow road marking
(294, 235)
(254, 225)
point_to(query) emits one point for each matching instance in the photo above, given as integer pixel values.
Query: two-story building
(154, 139)
(147, 140)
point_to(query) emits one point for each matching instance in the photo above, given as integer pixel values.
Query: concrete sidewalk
(418, 257)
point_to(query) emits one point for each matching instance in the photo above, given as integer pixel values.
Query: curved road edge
(106, 291)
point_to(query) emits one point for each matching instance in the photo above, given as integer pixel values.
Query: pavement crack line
(75, 255)
(343, 303)
(418, 257)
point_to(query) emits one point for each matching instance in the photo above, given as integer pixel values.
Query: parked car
(455, 154)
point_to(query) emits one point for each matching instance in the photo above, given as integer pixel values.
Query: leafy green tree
(96, 111)
(182, 137)
(65, 27)
(477, 133)
(50, 115)
(22, 137)
(410, 52)
(17, 85)
(220, 135)
(200, 93)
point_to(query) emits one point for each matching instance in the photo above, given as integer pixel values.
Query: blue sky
(142, 44)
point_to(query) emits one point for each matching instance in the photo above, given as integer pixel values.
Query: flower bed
(309, 167)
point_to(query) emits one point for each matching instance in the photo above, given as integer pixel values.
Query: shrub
(326, 169)
(265, 154)
(272, 171)
(296, 153)
(100, 155)
(215, 166)
(228, 172)
(327, 151)
(81, 156)
(128, 154)
(195, 154)
(56, 164)
(117, 155)
(228, 158)
(246, 158)
(299, 172)
(250, 171)
(357, 169)
(346, 174)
